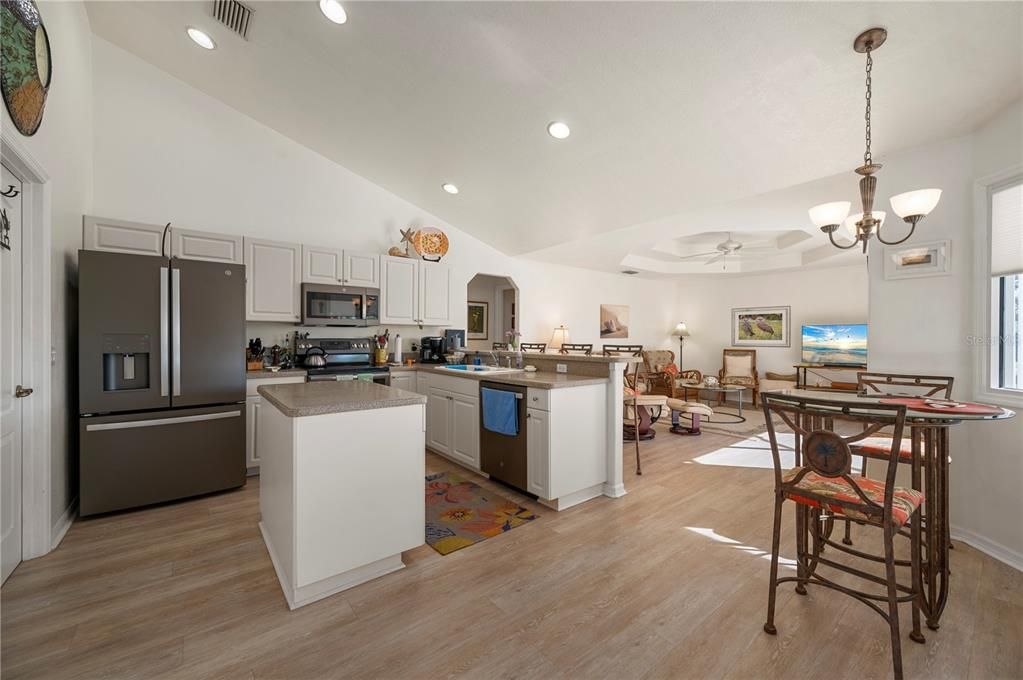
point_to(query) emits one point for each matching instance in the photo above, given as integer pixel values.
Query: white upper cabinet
(120, 236)
(203, 245)
(273, 274)
(361, 269)
(399, 290)
(434, 294)
(322, 265)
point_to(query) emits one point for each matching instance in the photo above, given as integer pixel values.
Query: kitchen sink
(462, 368)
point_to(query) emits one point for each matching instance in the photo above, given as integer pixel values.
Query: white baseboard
(996, 550)
(60, 529)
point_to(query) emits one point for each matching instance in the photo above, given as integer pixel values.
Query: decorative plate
(431, 243)
(25, 67)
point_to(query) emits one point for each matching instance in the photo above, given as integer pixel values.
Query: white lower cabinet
(453, 419)
(404, 380)
(253, 406)
(538, 452)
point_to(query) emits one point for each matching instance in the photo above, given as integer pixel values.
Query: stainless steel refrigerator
(161, 379)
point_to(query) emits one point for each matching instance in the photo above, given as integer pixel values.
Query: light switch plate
(562, 368)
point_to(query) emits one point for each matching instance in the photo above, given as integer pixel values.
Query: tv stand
(805, 371)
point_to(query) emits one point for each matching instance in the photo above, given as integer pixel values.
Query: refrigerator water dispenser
(125, 362)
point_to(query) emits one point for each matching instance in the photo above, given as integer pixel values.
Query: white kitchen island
(341, 488)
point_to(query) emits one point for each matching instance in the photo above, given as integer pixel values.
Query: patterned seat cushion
(904, 503)
(881, 447)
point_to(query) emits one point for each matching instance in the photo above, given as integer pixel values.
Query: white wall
(167, 152)
(836, 295)
(63, 147)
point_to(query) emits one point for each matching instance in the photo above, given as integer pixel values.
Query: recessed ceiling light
(449, 187)
(333, 10)
(558, 130)
(200, 38)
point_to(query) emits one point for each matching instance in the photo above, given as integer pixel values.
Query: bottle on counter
(476, 361)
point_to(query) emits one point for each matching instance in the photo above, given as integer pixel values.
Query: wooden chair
(821, 485)
(739, 367)
(660, 376)
(622, 350)
(540, 347)
(585, 348)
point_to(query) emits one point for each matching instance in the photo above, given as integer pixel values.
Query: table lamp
(559, 337)
(682, 332)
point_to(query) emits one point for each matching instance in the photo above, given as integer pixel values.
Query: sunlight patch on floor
(755, 452)
(738, 545)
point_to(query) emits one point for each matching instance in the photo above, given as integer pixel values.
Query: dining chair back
(540, 347)
(622, 350)
(873, 384)
(585, 348)
(822, 486)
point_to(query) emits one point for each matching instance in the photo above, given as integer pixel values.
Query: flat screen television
(835, 344)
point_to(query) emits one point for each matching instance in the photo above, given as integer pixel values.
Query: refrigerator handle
(176, 331)
(164, 334)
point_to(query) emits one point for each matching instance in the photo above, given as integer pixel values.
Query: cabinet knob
(529, 415)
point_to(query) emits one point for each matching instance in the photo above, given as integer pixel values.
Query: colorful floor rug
(460, 513)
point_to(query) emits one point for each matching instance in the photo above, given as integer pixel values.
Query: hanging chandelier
(911, 206)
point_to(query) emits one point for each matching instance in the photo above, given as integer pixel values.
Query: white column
(615, 485)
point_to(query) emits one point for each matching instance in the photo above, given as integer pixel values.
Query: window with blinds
(1007, 282)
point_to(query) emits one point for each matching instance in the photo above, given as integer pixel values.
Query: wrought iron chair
(500, 346)
(540, 347)
(821, 485)
(873, 384)
(622, 350)
(585, 348)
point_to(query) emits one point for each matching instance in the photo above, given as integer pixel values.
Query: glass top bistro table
(721, 390)
(928, 431)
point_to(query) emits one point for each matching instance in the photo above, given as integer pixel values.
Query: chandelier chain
(867, 158)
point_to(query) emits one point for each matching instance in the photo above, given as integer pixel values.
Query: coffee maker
(431, 350)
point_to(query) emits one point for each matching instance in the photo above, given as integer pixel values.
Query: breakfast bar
(341, 483)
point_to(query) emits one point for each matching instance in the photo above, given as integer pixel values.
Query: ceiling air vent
(630, 272)
(233, 14)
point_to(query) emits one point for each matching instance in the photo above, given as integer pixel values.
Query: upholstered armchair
(739, 367)
(661, 376)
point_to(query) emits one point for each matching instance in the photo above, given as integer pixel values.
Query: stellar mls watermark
(986, 341)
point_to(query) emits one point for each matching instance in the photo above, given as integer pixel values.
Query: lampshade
(829, 213)
(681, 330)
(913, 203)
(559, 337)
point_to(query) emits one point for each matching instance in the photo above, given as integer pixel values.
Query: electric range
(346, 359)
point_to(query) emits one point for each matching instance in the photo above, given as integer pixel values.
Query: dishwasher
(503, 456)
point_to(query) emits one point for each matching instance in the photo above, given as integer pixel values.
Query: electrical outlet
(562, 368)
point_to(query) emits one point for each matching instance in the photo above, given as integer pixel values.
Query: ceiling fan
(724, 249)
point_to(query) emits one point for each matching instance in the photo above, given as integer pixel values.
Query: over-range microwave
(339, 305)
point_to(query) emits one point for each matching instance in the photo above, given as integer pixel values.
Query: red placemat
(951, 408)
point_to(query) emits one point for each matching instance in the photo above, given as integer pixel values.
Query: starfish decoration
(406, 237)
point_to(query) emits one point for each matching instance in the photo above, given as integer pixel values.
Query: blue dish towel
(500, 412)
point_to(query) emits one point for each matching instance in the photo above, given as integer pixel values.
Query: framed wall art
(761, 327)
(614, 321)
(478, 321)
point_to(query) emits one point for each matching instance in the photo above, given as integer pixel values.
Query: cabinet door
(465, 430)
(321, 265)
(434, 294)
(252, 406)
(273, 280)
(538, 451)
(404, 381)
(119, 236)
(399, 290)
(202, 245)
(361, 269)
(438, 421)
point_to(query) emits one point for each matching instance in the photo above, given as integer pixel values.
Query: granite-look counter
(283, 373)
(540, 379)
(298, 400)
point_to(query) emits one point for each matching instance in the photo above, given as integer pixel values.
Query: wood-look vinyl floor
(668, 582)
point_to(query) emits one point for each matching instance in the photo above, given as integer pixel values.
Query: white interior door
(10, 379)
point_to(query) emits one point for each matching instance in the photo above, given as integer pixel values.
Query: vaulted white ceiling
(674, 107)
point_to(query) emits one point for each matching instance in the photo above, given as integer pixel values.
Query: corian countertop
(298, 400)
(283, 373)
(544, 380)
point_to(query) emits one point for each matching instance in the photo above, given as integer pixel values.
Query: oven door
(333, 305)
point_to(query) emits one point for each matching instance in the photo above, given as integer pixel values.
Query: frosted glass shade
(681, 330)
(912, 203)
(559, 337)
(829, 213)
